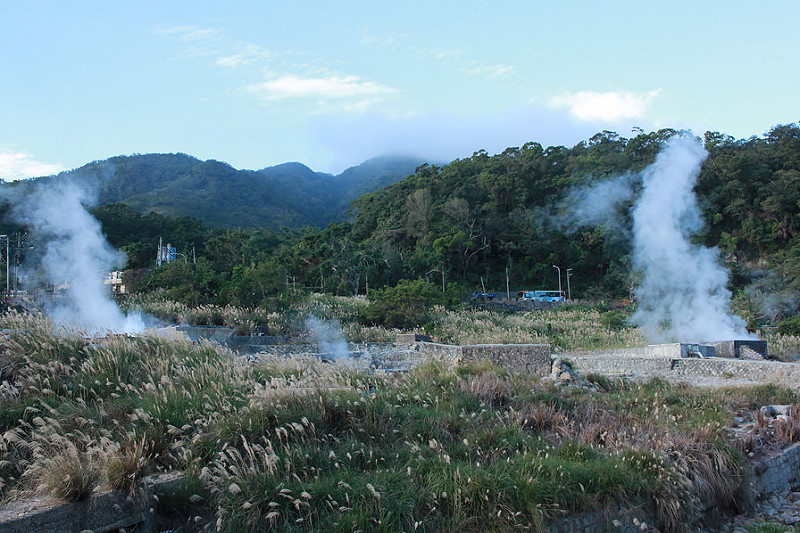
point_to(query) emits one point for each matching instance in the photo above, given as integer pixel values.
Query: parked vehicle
(542, 296)
(482, 296)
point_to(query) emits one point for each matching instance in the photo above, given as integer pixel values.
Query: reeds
(297, 444)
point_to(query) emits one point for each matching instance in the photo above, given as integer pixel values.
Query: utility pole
(508, 287)
(559, 277)
(569, 292)
(8, 260)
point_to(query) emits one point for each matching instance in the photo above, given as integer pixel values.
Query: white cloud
(611, 106)
(190, 33)
(492, 72)
(451, 54)
(18, 165)
(330, 87)
(248, 54)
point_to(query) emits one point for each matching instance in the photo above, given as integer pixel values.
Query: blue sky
(331, 84)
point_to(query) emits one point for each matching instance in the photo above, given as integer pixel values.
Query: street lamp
(559, 277)
(569, 292)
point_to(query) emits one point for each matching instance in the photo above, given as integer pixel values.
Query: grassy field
(295, 444)
(565, 328)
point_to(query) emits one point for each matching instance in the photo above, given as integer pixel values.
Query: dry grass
(564, 328)
(295, 444)
(490, 388)
(782, 347)
(129, 461)
(788, 428)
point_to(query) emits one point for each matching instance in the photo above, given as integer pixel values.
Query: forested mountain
(476, 217)
(289, 195)
(461, 226)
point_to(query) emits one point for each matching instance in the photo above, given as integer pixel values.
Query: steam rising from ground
(682, 296)
(329, 338)
(75, 254)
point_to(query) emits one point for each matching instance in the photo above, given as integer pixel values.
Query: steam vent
(738, 349)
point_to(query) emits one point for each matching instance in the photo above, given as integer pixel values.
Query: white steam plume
(598, 204)
(683, 295)
(328, 336)
(76, 254)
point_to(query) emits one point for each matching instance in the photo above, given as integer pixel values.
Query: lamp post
(559, 277)
(569, 291)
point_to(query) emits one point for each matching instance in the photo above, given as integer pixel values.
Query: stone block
(410, 338)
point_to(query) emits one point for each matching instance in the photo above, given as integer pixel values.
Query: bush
(790, 325)
(406, 305)
(613, 320)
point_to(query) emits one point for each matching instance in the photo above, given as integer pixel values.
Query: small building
(739, 349)
(114, 282)
(680, 350)
(166, 253)
(742, 349)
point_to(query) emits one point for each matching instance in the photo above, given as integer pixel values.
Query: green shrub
(790, 325)
(407, 305)
(613, 320)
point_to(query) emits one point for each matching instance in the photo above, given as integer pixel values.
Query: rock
(775, 410)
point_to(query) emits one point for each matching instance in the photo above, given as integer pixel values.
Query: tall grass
(295, 444)
(564, 328)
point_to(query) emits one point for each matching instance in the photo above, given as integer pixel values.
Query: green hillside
(289, 195)
(462, 226)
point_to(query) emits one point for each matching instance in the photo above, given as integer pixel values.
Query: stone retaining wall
(109, 511)
(213, 333)
(636, 351)
(777, 473)
(529, 358)
(445, 353)
(779, 373)
(254, 343)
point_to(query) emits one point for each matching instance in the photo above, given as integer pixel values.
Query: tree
(418, 206)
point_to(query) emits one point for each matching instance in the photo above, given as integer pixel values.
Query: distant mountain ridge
(288, 195)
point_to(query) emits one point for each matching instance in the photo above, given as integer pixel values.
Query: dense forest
(479, 221)
(290, 195)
